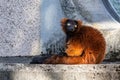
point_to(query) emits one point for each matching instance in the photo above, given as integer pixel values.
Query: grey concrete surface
(59, 72)
(111, 10)
(19, 27)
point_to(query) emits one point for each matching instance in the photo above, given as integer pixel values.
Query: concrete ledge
(39, 59)
(59, 72)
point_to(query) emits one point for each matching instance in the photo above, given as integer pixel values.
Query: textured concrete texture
(19, 27)
(59, 72)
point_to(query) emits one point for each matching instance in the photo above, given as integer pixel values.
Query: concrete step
(59, 72)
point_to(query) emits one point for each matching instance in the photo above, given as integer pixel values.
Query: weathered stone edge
(60, 67)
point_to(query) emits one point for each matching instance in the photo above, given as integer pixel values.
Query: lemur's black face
(71, 25)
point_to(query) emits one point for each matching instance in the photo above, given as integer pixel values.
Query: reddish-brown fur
(86, 46)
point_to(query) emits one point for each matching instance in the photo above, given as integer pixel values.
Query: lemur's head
(69, 25)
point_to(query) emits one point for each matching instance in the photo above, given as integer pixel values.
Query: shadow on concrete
(39, 59)
(6, 75)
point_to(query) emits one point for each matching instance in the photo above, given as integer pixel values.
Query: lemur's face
(71, 25)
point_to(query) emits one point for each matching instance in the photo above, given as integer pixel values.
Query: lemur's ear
(63, 21)
(79, 22)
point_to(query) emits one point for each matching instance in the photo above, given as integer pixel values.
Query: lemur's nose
(70, 28)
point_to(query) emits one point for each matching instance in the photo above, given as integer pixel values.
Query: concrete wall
(59, 72)
(51, 33)
(19, 27)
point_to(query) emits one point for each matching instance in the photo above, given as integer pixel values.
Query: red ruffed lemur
(84, 44)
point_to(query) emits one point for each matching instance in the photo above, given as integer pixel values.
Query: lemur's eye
(68, 24)
(75, 26)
